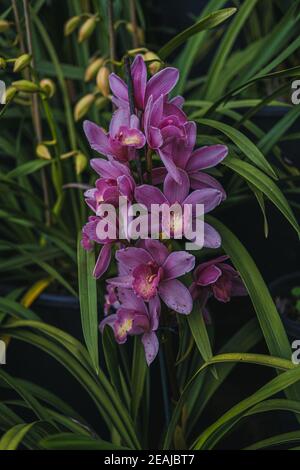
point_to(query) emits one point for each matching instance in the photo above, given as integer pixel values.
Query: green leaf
(199, 332)
(244, 340)
(243, 143)
(208, 22)
(192, 48)
(69, 441)
(15, 309)
(88, 301)
(28, 168)
(215, 72)
(279, 129)
(291, 72)
(74, 357)
(14, 436)
(138, 376)
(212, 434)
(268, 317)
(36, 407)
(284, 438)
(264, 184)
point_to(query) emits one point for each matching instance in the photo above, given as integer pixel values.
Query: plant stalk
(111, 33)
(135, 36)
(35, 110)
(132, 111)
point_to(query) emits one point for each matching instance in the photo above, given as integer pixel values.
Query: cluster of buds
(88, 25)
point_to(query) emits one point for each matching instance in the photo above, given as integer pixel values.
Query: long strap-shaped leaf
(98, 387)
(243, 143)
(215, 72)
(264, 184)
(208, 22)
(14, 436)
(88, 302)
(69, 441)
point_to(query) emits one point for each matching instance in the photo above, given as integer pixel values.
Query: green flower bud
(42, 152)
(101, 102)
(80, 163)
(48, 86)
(26, 86)
(10, 93)
(92, 69)
(71, 25)
(86, 29)
(102, 81)
(154, 66)
(22, 62)
(4, 25)
(83, 106)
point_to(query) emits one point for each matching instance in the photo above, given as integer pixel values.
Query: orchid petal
(177, 264)
(139, 78)
(147, 195)
(151, 346)
(132, 257)
(176, 296)
(201, 180)
(208, 275)
(97, 138)
(118, 87)
(206, 157)
(162, 83)
(103, 261)
(175, 192)
(209, 197)
(212, 238)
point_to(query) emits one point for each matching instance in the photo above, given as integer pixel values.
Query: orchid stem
(132, 110)
(149, 165)
(111, 32)
(135, 36)
(163, 375)
(35, 110)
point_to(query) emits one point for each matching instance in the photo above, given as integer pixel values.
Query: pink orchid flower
(89, 235)
(160, 84)
(178, 153)
(123, 139)
(179, 193)
(150, 270)
(134, 317)
(218, 279)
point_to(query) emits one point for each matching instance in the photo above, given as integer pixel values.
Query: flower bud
(48, 86)
(83, 106)
(66, 155)
(101, 102)
(154, 66)
(80, 163)
(10, 93)
(71, 25)
(2, 63)
(26, 86)
(140, 32)
(92, 69)
(102, 81)
(87, 29)
(4, 25)
(42, 152)
(22, 62)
